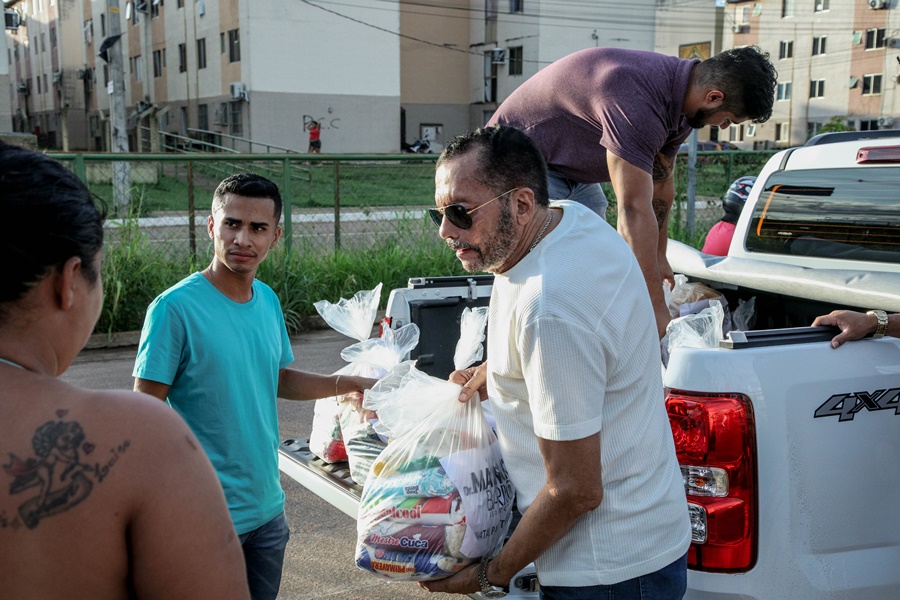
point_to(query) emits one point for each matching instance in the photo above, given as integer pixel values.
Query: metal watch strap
(489, 590)
(882, 319)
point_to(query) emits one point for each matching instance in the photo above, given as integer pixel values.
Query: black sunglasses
(457, 213)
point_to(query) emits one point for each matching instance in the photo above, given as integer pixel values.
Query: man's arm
(855, 325)
(574, 487)
(639, 226)
(663, 197)
(294, 384)
(154, 388)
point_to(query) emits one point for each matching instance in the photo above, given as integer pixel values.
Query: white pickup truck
(790, 449)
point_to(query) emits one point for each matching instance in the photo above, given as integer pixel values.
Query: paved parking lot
(319, 559)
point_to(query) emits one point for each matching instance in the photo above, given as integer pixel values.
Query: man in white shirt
(573, 377)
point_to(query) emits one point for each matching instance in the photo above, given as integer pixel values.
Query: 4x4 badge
(845, 406)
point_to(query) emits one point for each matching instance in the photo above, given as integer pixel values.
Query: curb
(124, 339)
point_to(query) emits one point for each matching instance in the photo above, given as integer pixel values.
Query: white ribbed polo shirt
(572, 351)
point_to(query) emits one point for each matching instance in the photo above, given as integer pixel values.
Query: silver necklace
(541, 234)
(13, 364)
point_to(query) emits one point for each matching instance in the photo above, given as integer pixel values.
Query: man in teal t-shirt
(215, 348)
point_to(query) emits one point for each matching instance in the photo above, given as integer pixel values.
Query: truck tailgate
(331, 482)
(828, 438)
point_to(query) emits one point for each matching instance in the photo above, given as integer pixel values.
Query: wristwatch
(882, 319)
(487, 589)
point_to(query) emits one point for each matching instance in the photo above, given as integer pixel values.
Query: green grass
(134, 273)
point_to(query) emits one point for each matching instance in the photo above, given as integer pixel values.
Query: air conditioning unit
(738, 28)
(57, 76)
(877, 4)
(885, 121)
(498, 56)
(12, 18)
(238, 91)
(22, 88)
(892, 42)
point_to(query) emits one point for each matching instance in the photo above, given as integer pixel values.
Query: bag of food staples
(370, 357)
(439, 496)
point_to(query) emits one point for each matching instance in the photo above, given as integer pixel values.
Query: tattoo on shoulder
(660, 209)
(663, 166)
(59, 475)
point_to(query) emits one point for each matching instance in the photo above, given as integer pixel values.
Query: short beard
(699, 118)
(494, 253)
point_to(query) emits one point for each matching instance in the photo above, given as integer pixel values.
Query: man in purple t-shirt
(618, 116)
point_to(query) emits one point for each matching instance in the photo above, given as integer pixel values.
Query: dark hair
(746, 77)
(509, 159)
(249, 185)
(51, 217)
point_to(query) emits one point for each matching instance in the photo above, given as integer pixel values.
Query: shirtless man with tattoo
(619, 116)
(103, 495)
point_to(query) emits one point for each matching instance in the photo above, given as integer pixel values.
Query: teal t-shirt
(221, 359)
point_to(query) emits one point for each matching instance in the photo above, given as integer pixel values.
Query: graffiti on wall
(324, 122)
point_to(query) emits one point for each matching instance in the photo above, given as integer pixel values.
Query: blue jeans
(264, 556)
(589, 194)
(669, 583)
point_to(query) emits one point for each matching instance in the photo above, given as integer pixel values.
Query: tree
(836, 124)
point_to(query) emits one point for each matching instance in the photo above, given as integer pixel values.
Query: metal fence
(330, 201)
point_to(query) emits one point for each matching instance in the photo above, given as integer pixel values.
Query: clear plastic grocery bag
(701, 330)
(341, 430)
(689, 297)
(354, 318)
(439, 496)
(371, 358)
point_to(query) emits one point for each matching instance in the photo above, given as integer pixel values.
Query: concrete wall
(300, 63)
(434, 71)
(350, 123)
(453, 118)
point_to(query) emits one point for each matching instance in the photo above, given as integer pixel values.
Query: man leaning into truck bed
(573, 380)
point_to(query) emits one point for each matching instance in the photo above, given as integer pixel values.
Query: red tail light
(385, 323)
(715, 442)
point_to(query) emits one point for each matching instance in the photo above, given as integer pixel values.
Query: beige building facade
(252, 74)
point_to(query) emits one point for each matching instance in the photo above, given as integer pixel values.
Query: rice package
(439, 496)
(339, 425)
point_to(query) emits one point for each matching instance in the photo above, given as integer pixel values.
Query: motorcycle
(419, 147)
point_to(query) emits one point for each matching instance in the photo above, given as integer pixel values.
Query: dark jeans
(264, 555)
(589, 194)
(669, 583)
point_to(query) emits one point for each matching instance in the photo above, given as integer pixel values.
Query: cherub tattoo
(61, 478)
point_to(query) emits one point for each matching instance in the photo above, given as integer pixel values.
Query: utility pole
(149, 82)
(118, 135)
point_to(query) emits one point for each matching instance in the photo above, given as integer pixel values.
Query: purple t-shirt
(627, 102)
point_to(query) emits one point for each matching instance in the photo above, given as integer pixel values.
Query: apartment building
(236, 69)
(836, 59)
(377, 74)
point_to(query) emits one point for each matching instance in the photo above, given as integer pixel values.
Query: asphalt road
(319, 559)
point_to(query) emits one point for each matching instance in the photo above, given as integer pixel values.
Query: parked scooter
(417, 147)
